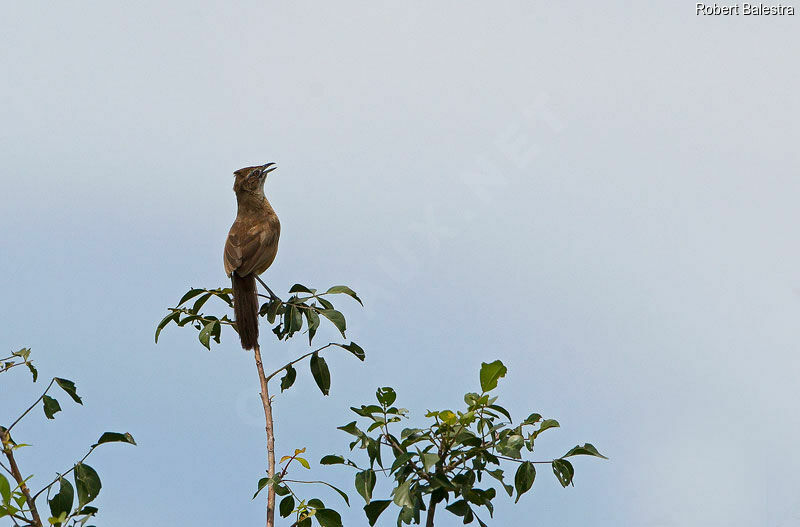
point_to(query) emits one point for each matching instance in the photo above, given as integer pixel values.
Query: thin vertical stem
(431, 512)
(265, 401)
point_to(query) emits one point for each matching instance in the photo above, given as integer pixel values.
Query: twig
(276, 372)
(265, 401)
(6, 468)
(15, 517)
(65, 473)
(273, 295)
(31, 406)
(391, 443)
(317, 482)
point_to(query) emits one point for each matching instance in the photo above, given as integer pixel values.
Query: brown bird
(251, 247)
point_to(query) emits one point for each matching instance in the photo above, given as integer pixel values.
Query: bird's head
(251, 179)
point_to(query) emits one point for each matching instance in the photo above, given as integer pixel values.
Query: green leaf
(69, 387)
(532, 419)
(523, 479)
(316, 503)
(24, 353)
(205, 334)
(263, 482)
(491, 373)
(511, 446)
(365, 483)
(401, 495)
(215, 332)
(586, 450)
(91, 511)
(61, 519)
(429, 460)
(374, 509)
(322, 376)
(448, 417)
(33, 371)
(353, 348)
(272, 310)
(341, 493)
(62, 502)
(351, 428)
(459, 508)
(5, 489)
(296, 318)
(564, 471)
(281, 490)
(344, 289)
(547, 423)
(51, 406)
(328, 518)
(374, 451)
(190, 294)
(405, 516)
(200, 301)
(313, 323)
(400, 460)
(500, 409)
(87, 482)
(300, 288)
(174, 316)
(386, 395)
(115, 437)
(336, 318)
(286, 507)
(331, 460)
(288, 380)
(187, 319)
(303, 462)
(20, 499)
(498, 475)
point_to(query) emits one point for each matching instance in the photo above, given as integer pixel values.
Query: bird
(250, 248)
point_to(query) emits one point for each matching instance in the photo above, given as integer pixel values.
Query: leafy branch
(19, 503)
(446, 460)
(305, 308)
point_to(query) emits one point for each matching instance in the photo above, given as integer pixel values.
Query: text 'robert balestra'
(744, 9)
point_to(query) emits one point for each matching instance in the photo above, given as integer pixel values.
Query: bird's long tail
(245, 308)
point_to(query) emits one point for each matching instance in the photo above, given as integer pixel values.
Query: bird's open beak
(269, 167)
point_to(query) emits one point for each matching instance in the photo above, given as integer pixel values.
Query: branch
(391, 443)
(15, 517)
(65, 473)
(475, 452)
(187, 311)
(31, 501)
(265, 401)
(310, 353)
(317, 482)
(6, 468)
(431, 512)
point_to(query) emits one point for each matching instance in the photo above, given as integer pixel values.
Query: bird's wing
(250, 250)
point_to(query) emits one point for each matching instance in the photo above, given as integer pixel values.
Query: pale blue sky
(602, 196)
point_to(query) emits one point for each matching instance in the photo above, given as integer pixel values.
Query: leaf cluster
(18, 502)
(307, 512)
(305, 308)
(456, 458)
